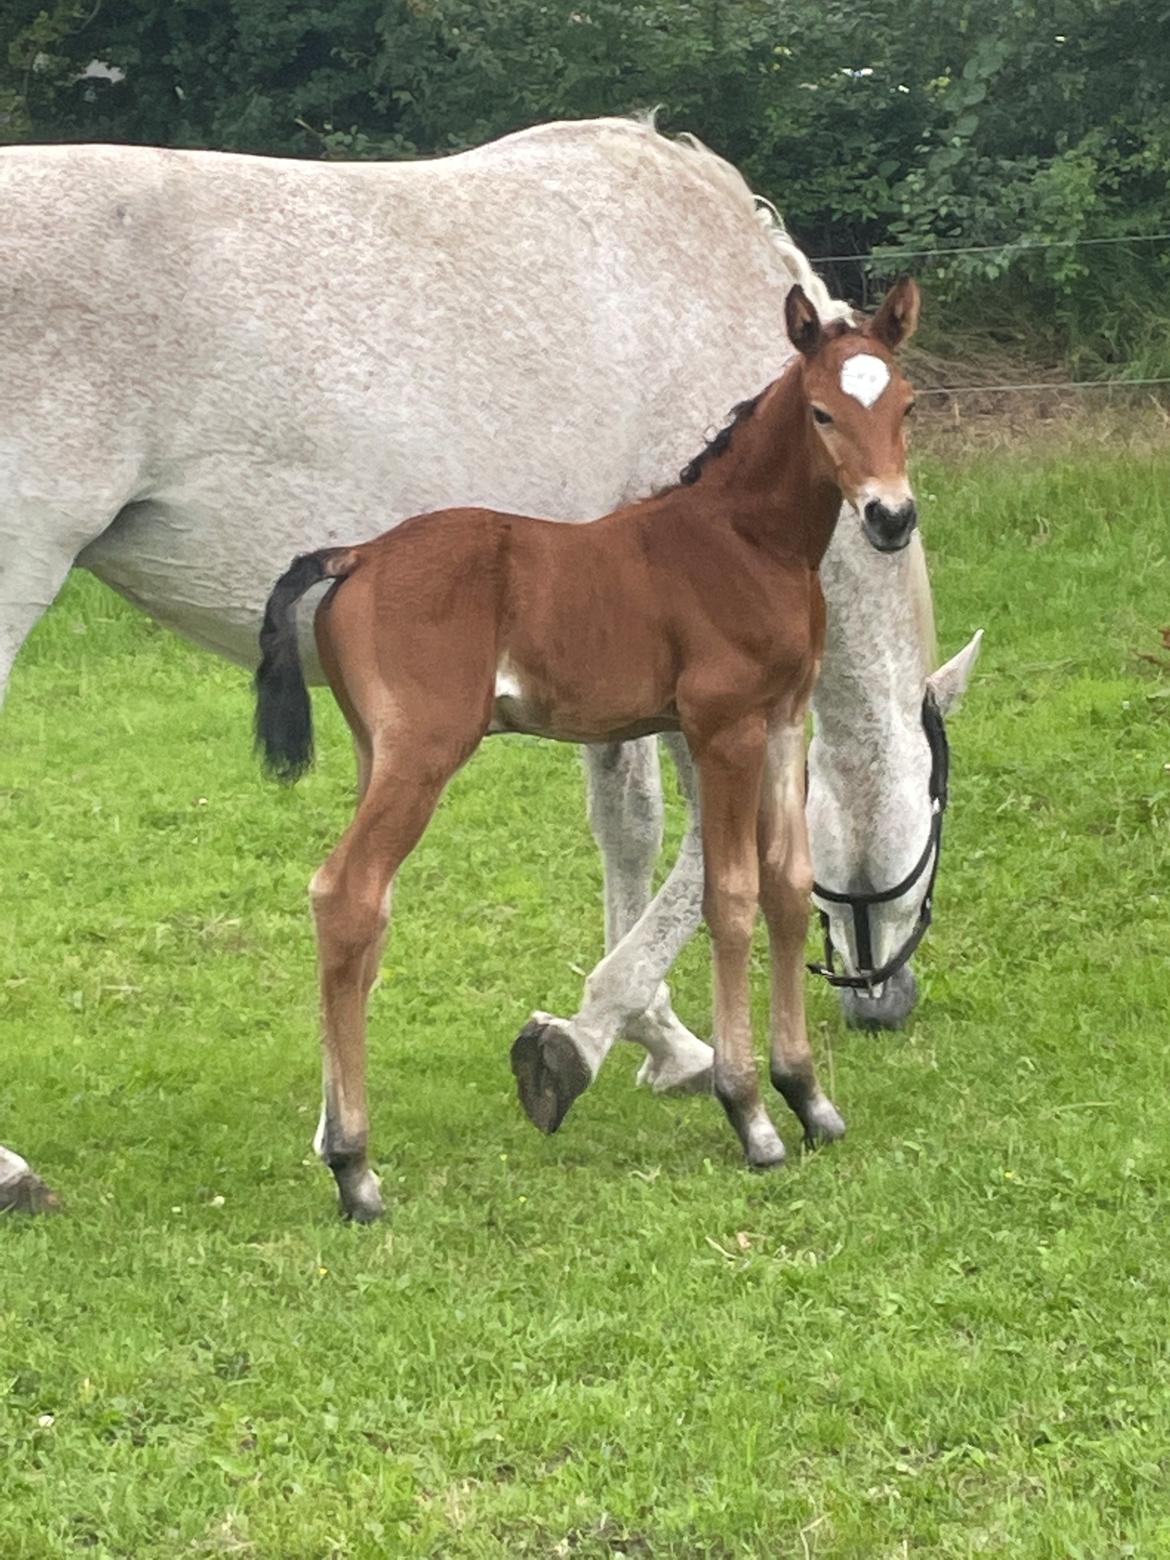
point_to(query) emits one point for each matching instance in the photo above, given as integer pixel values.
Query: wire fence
(882, 255)
(876, 260)
(1045, 384)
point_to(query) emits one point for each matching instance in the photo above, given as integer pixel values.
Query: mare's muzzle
(889, 529)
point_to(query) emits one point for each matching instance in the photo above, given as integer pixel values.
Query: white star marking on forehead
(864, 377)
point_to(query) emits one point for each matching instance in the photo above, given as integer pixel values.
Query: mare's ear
(897, 319)
(802, 322)
(949, 683)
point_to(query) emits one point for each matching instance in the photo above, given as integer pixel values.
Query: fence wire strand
(1017, 246)
(1059, 384)
(989, 249)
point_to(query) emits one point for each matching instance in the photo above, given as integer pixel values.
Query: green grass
(948, 1336)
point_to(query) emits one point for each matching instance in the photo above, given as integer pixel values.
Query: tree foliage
(907, 125)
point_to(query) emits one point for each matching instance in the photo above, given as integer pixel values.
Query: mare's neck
(774, 483)
(868, 700)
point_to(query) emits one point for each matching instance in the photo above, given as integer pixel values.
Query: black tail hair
(284, 716)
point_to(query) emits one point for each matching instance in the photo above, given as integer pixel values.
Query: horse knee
(786, 883)
(730, 913)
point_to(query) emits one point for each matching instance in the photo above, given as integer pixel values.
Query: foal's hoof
(550, 1073)
(763, 1150)
(823, 1123)
(361, 1201)
(27, 1193)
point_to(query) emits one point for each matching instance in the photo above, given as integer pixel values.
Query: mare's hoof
(679, 1074)
(550, 1073)
(823, 1123)
(361, 1201)
(27, 1193)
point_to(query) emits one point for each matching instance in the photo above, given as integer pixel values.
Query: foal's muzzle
(889, 529)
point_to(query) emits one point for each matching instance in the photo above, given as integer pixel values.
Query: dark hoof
(28, 1194)
(823, 1123)
(361, 1201)
(550, 1073)
(889, 1011)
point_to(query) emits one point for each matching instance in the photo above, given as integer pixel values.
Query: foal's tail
(284, 716)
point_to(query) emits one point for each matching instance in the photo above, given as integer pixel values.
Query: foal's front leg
(730, 767)
(786, 877)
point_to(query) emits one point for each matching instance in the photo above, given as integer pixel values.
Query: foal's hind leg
(351, 906)
(785, 884)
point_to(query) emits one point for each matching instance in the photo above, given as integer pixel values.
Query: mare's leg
(786, 877)
(677, 1059)
(625, 993)
(351, 907)
(625, 812)
(730, 769)
(36, 554)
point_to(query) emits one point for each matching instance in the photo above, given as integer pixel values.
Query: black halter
(936, 736)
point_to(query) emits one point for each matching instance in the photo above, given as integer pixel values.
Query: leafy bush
(873, 125)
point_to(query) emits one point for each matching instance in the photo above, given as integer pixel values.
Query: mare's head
(858, 401)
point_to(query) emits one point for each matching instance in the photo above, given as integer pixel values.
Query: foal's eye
(909, 412)
(821, 416)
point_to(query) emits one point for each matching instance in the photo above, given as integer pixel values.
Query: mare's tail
(284, 716)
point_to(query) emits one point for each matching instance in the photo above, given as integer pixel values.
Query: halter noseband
(936, 736)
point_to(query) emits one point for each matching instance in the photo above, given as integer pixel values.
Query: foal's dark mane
(720, 443)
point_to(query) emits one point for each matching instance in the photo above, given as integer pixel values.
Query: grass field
(947, 1336)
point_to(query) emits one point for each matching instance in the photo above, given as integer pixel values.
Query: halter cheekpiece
(868, 978)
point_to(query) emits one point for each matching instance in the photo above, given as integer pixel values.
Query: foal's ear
(897, 319)
(802, 322)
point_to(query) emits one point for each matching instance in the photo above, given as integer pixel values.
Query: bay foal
(697, 610)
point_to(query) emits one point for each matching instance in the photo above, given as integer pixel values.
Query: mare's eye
(821, 416)
(909, 412)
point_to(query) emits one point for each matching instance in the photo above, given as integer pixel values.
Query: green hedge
(911, 125)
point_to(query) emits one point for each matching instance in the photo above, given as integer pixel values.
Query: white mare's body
(209, 363)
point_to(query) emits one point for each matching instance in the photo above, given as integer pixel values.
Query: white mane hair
(735, 186)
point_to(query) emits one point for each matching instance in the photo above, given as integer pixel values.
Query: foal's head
(858, 402)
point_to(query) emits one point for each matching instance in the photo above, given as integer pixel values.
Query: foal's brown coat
(699, 610)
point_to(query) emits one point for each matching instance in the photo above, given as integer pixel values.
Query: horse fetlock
(549, 1069)
(336, 1146)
